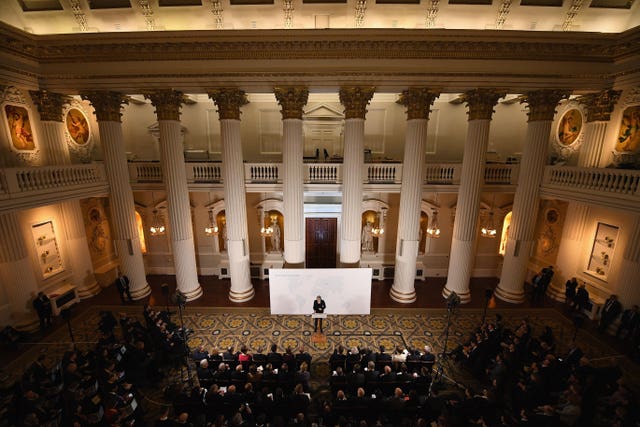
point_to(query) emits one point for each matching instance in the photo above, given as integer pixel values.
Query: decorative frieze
(418, 101)
(167, 103)
(49, 104)
(355, 100)
(107, 105)
(542, 103)
(216, 10)
(228, 102)
(292, 100)
(481, 102)
(600, 105)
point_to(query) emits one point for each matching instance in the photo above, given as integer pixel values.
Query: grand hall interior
(458, 182)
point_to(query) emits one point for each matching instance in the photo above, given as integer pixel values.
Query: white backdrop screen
(344, 290)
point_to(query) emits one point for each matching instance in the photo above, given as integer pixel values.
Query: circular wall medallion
(569, 127)
(77, 126)
(551, 216)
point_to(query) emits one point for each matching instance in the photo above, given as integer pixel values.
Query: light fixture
(489, 229)
(266, 231)
(377, 231)
(157, 224)
(433, 229)
(211, 229)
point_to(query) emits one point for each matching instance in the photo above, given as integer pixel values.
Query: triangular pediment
(323, 112)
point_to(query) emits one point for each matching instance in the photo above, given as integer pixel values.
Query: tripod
(452, 302)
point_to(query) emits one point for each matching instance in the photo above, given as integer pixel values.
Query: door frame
(313, 210)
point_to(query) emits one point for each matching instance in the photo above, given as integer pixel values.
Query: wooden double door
(321, 242)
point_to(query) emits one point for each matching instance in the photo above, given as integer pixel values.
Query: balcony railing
(616, 181)
(449, 174)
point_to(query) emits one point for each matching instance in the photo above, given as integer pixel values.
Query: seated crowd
(521, 380)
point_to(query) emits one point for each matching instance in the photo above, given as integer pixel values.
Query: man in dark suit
(318, 307)
(611, 309)
(122, 283)
(42, 305)
(629, 322)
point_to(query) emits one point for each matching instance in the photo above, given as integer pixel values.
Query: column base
(89, 291)
(26, 322)
(242, 296)
(556, 293)
(193, 294)
(507, 296)
(402, 297)
(465, 297)
(141, 293)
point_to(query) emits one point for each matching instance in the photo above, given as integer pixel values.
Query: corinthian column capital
(355, 101)
(107, 105)
(49, 104)
(418, 101)
(600, 105)
(542, 103)
(292, 100)
(167, 103)
(228, 102)
(481, 103)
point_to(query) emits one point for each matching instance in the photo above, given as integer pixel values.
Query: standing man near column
(465, 228)
(355, 101)
(229, 102)
(542, 107)
(418, 102)
(292, 100)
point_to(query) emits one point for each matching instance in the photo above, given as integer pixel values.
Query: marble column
(54, 147)
(229, 102)
(292, 100)
(599, 108)
(465, 228)
(107, 106)
(167, 103)
(567, 261)
(17, 275)
(418, 102)
(542, 105)
(355, 101)
(50, 106)
(627, 287)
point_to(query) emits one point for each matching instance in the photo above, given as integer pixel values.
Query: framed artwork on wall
(77, 126)
(569, 127)
(17, 121)
(604, 244)
(49, 259)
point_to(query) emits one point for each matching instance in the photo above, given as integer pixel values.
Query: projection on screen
(346, 290)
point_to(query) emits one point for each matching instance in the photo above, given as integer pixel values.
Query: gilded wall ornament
(292, 100)
(77, 131)
(228, 102)
(355, 100)
(543, 103)
(418, 101)
(600, 105)
(167, 103)
(481, 102)
(49, 104)
(107, 105)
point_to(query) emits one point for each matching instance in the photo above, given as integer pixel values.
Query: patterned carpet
(221, 327)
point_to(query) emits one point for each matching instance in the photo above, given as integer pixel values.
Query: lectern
(318, 336)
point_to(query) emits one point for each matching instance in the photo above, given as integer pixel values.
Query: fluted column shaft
(352, 191)
(417, 101)
(570, 245)
(179, 208)
(236, 211)
(16, 276)
(229, 102)
(81, 264)
(520, 240)
(355, 101)
(107, 107)
(292, 101)
(599, 107)
(465, 227)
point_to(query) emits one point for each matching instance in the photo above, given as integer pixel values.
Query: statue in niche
(275, 235)
(367, 237)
